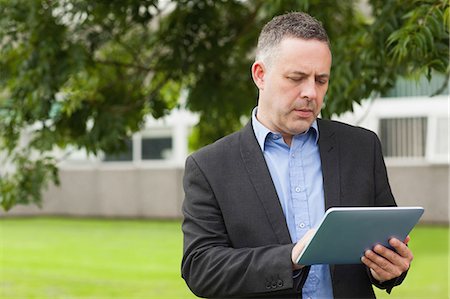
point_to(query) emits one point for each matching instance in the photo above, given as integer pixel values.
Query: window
(126, 155)
(150, 145)
(404, 137)
(156, 148)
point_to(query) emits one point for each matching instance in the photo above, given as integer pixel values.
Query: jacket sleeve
(211, 266)
(387, 285)
(383, 193)
(383, 197)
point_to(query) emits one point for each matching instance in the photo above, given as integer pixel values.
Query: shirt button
(302, 225)
(276, 136)
(298, 189)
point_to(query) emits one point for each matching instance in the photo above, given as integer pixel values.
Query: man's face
(292, 87)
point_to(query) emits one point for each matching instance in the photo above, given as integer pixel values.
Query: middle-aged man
(253, 196)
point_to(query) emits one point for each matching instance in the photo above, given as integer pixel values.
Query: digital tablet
(344, 234)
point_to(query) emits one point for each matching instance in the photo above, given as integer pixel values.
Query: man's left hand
(386, 264)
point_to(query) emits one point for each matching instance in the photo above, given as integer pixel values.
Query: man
(253, 197)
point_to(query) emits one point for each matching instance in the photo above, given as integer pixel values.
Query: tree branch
(442, 88)
(249, 22)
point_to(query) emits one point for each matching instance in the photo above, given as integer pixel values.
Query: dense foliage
(84, 74)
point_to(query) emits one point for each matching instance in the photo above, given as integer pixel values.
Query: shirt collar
(261, 131)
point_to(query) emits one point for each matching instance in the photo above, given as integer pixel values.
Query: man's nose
(308, 91)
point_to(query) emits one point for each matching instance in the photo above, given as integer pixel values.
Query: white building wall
(152, 189)
(435, 109)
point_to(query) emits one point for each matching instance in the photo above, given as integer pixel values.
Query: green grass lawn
(83, 258)
(72, 258)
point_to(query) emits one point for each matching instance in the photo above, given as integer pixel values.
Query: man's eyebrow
(324, 76)
(300, 73)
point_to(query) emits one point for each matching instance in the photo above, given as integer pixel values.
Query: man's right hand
(298, 248)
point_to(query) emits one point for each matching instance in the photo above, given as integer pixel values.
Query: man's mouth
(304, 112)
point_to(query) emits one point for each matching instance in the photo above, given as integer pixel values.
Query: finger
(389, 260)
(407, 239)
(396, 256)
(383, 267)
(378, 259)
(401, 249)
(386, 253)
(377, 272)
(398, 263)
(308, 236)
(298, 248)
(376, 276)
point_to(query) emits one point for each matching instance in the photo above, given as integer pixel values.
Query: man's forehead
(301, 47)
(287, 38)
(307, 56)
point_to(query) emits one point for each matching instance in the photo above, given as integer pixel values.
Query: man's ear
(258, 74)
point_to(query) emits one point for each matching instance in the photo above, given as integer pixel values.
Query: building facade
(146, 180)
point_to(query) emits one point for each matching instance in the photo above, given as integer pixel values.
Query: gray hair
(293, 24)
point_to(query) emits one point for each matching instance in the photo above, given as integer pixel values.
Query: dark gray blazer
(236, 240)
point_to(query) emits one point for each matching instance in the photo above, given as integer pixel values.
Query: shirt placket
(298, 190)
(301, 208)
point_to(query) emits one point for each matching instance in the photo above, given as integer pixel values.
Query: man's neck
(287, 139)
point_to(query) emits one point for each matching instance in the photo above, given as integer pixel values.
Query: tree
(83, 74)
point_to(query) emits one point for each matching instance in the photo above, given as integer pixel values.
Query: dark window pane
(403, 137)
(126, 155)
(157, 148)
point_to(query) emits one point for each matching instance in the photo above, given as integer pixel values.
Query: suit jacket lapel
(329, 156)
(260, 177)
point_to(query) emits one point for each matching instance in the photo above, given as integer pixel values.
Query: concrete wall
(113, 192)
(422, 185)
(132, 191)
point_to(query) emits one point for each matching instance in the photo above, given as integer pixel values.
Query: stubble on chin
(299, 126)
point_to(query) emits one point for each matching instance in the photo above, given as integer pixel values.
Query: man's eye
(295, 79)
(322, 82)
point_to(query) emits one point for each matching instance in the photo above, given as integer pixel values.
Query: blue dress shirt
(296, 172)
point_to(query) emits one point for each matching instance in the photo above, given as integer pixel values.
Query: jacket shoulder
(344, 130)
(219, 146)
(221, 154)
